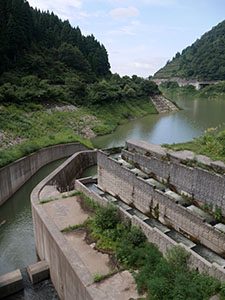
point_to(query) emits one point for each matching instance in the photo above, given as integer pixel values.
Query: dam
(176, 198)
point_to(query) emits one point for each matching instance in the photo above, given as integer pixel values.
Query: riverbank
(26, 129)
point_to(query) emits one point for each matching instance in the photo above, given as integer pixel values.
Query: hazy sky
(140, 35)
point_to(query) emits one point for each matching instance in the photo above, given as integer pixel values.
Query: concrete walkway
(67, 212)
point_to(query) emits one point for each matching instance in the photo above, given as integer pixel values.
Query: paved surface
(65, 212)
(49, 191)
(121, 286)
(96, 262)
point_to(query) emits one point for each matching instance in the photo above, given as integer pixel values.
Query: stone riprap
(14, 175)
(155, 235)
(197, 175)
(136, 191)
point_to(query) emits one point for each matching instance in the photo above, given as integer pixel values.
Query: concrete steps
(162, 104)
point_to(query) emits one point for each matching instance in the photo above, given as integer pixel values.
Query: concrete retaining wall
(133, 190)
(68, 273)
(206, 184)
(14, 175)
(158, 238)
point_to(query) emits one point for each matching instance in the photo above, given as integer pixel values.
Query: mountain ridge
(203, 60)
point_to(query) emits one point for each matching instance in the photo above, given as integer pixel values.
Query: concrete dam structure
(176, 198)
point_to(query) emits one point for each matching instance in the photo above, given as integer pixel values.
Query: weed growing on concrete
(47, 200)
(71, 228)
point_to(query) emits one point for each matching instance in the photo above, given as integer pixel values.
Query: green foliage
(107, 217)
(45, 40)
(218, 214)
(71, 228)
(204, 59)
(135, 236)
(98, 277)
(177, 258)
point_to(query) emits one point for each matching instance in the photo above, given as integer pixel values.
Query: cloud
(142, 67)
(124, 12)
(160, 2)
(129, 29)
(65, 9)
(56, 4)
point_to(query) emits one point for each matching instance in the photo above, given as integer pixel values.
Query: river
(195, 116)
(16, 235)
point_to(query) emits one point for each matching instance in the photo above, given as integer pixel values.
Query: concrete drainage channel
(203, 251)
(16, 281)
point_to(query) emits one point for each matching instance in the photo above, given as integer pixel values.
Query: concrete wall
(14, 175)
(133, 190)
(158, 238)
(206, 183)
(69, 275)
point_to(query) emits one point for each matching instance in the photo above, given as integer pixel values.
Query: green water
(195, 116)
(16, 235)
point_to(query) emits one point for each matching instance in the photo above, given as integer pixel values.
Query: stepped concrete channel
(163, 105)
(161, 191)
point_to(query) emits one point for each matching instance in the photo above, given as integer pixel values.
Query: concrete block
(38, 272)
(10, 283)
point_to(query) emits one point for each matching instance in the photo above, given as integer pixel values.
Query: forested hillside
(35, 42)
(46, 64)
(204, 59)
(45, 59)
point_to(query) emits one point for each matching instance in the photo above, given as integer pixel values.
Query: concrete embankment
(68, 273)
(14, 175)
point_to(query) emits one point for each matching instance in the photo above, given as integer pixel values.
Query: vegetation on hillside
(212, 91)
(160, 278)
(27, 128)
(46, 64)
(203, 60)
(44, 59)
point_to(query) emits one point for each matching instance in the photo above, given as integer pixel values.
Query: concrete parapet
(10, 283)
(38, 271)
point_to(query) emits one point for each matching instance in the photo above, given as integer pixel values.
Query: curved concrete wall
(69, 275)
(14, 175)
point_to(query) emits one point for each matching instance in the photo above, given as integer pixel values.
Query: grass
(211, 144)
(112, 115)
(26, 129)
(71, 228)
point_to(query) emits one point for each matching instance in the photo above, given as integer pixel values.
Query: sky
(140, 36)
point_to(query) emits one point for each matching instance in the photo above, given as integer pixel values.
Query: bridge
(184, 82)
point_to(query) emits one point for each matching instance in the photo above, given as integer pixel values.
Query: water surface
(195, 116)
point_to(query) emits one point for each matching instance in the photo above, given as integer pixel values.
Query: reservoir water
(16, 233)
(195, 116)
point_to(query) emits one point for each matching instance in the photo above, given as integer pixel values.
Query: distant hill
(204, 59)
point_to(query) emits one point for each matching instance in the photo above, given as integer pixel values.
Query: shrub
(136, 236)
(107, 217)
